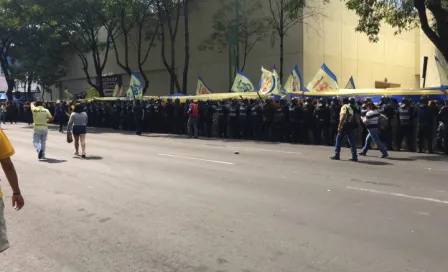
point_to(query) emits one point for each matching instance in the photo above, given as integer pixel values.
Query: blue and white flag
(350, 84)
(324, 81)
(242, 84)
(294, 84)
(267, 82)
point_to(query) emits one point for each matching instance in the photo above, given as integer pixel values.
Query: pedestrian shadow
(375, 163)
(401, 159)
(89, 158)
(52, 161)
(168, 136)
(431, 158)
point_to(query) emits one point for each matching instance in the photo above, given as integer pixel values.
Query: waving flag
(350, 84)
(135, 87)
(278, 90)
(242, 84)
(91, 93)
(267, 82)
(294, 84)
(68, 95)
(443, 72)
(116, 90)
(323, 81)
(201, 88)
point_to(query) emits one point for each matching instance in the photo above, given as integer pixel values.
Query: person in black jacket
(322, 116)
(425, 130)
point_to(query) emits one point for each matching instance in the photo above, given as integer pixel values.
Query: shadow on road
(401, 159)
(89, 158)
(376, 163)
(431, 158)
(52, 161)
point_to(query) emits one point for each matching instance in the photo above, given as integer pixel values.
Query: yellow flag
(135, 87)
(323, 81)
(278, 90)
(91, 93)
(242, 84)
(68, 95)
(267, 82)
(294, 83)
(350, 84)
(443, 71)
(116, 90)
(201, 88)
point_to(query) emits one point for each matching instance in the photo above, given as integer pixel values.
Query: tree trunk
(187, 48)
(30, 81)
(11, 84)
(282, 36)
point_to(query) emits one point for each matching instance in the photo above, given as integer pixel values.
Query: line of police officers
(295, 120)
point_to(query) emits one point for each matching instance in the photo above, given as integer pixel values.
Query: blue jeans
(374, 134)
(350, 134)
(40, 139)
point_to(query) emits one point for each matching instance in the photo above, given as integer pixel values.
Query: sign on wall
(109, 83)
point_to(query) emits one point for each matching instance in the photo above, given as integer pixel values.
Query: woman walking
(78, 126)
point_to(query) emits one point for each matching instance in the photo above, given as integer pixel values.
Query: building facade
(329, 38)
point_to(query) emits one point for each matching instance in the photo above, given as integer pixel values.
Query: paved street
(160, 203)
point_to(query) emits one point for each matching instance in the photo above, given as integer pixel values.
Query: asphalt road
(159, 203)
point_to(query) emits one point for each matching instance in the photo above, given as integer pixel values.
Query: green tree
(404, 15)
(88, 26)
(249, 28)
(37, 56)
(283, 15)
(138, 28)
(10, 23)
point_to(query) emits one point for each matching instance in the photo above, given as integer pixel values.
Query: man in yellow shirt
(6, 151)
(346, 128)
(41, 118)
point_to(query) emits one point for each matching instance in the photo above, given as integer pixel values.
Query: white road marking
(436, 169)
(400, 195)
(266, 150)
(196, 159)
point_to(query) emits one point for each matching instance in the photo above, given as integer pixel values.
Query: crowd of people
(295, 120)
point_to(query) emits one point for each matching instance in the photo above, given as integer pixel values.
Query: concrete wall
(333, 40)
(330, 38)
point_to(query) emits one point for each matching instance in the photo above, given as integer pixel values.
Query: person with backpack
(193, 118)
(372, 122)
(346, 128)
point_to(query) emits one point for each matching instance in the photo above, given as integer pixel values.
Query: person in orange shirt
(6, 151)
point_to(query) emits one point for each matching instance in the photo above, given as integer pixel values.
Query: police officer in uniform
(425, 130)
(222, 119)
(295, 115)
(405, 116)
(168, 114)
(268, 119)
(322, 116)
(233, 119)
(115, 116)
(256, 119)
(243, 119)
(177, 116)
(209, 111)
(443, 128)
(308, 121)
(335, 109)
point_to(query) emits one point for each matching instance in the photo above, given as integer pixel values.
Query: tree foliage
(249, 28)
(404, 15)
(285, 14)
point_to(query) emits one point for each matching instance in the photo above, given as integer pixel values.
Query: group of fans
(423, 123)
